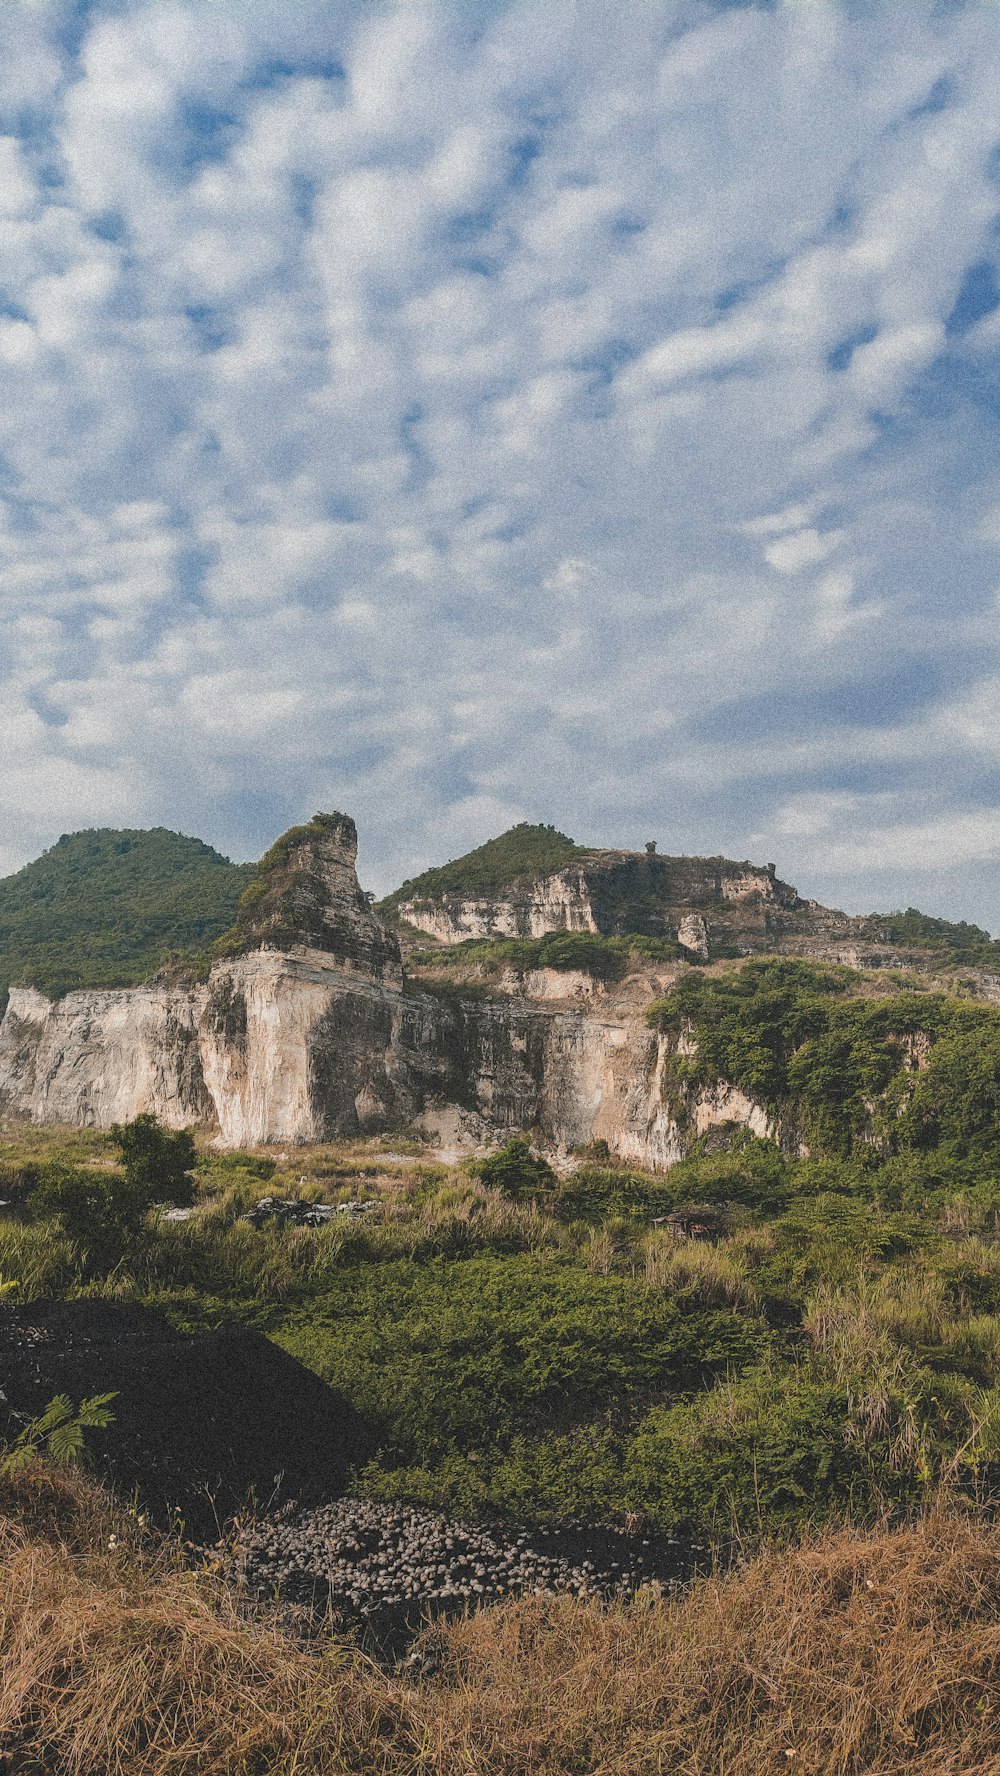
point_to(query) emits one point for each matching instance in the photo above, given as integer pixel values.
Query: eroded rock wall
(100, 1056)
(613, 893)
(306, 1029)
(288, 1049)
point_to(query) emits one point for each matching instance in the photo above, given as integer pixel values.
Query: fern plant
(58, 1432)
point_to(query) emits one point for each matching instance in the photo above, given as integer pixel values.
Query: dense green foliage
(535, 1346)
(552, 1345)
(102, 1211)
(955, 942)
(841, 1066)
(158, 1162)
(516, 1171)
(106, 908)
(606, 958)
(523, 851)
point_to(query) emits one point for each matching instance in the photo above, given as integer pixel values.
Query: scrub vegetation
(857, 1652)
(107, 908)
(525, 850)
(773, 1335)
(605, 958)
(788, 1347)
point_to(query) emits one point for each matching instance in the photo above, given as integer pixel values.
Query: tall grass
(855, 1655)
(39, 1259)
(715, 1276)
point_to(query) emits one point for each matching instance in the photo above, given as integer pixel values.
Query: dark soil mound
(204, 1424)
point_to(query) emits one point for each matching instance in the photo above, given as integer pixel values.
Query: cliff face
(307, 896)
(286, 1049)
(613, 893)
(712, 906)
(311, 1032)
(98, 1056)
(307, 1028)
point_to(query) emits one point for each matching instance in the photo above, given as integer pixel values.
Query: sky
(459, 414)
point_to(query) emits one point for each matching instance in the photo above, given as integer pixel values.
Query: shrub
(58, 1432)
(102, 1211)
(763, 1453)
(158, 1162)
(516, 1171)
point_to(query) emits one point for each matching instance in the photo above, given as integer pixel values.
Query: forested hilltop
(107, 908)
(110, 907)
(524, 850)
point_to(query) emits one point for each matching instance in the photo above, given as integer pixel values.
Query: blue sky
(460, 414)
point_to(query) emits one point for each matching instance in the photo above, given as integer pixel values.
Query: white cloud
(551, 416)
(801, 548)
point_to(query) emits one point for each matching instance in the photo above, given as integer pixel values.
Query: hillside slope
(524, 850)
(533, 883)
(105, 908)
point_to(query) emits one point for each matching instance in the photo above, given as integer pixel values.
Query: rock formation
(712, 907)
(610, 892)
(308, 1027)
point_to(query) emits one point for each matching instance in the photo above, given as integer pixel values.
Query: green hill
(960, 943)
(105, 908)
(523, 851)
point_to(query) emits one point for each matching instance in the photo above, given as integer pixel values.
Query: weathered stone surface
(713, 906)
(307, 894)
(100, 1055)
(308, 1030)
(611, 892)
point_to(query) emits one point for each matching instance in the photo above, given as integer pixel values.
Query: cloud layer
(463, 414)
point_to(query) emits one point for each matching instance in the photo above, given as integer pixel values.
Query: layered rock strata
(712, 906)
(308, 1031)
(307, 1027)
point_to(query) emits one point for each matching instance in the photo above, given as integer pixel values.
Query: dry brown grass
(861, 1653)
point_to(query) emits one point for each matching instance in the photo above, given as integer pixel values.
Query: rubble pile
(364, 1561)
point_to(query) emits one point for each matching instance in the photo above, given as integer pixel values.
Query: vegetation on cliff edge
(107, 908)
(524, 850)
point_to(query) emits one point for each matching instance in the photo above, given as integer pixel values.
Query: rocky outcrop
(709, 905)
(97, 1056)
(279, 1048)
(307, 1029)
(306, 896)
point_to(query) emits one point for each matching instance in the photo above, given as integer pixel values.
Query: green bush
(103, 1211)
(458, 1356)
(158, 1162)
(516, 1171)
(766, 1453)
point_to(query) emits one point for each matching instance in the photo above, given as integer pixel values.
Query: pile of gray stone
(366, 1562)
(290, 1211)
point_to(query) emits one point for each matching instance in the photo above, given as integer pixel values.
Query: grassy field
(814, 1379)
(856, 1654)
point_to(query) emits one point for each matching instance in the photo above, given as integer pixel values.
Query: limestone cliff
(306, 895)
(713, 907)
(308, 1028)
(610, 892)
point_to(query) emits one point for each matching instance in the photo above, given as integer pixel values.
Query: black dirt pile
(387, 1567)
(204, 1424)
